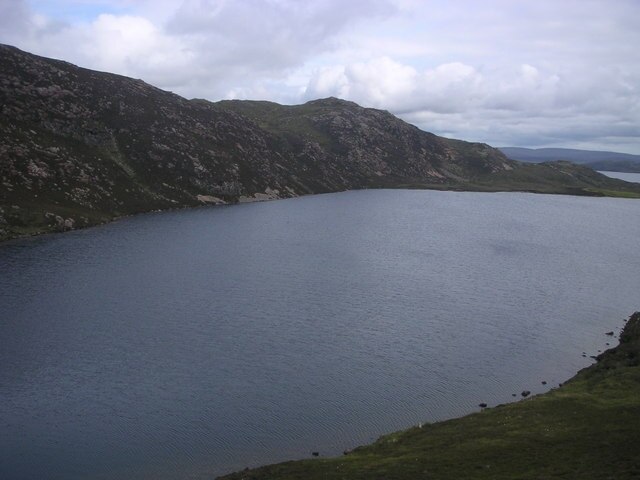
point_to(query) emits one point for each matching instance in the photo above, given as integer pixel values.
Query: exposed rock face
(88, 146)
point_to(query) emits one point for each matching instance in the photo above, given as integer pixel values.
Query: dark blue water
(188, 344)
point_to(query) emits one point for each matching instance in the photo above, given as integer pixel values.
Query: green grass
(587, 429)
(614, 193)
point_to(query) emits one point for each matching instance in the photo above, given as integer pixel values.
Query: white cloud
(328, 82)
(132, 45)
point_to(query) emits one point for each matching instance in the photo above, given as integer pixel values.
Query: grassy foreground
(587, 429)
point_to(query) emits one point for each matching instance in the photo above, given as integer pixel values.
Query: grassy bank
(587, 429)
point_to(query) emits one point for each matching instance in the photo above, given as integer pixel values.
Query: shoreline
(42, 230)
(535, 437)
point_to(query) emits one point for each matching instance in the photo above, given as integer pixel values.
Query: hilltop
(80, 147)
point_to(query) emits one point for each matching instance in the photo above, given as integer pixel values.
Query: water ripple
(188, 344)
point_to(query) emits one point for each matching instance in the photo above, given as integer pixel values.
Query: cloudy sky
(562, 73)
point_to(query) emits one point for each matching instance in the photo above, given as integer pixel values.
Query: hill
(589, 428)
(80, 147)
(597, 160)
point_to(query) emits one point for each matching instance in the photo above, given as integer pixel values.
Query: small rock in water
(609, 333)
(482, 405)
(513, 395)
(544, 382)
(315, 454)
(525, 393)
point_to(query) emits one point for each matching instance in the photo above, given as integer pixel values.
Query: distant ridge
(598, 160)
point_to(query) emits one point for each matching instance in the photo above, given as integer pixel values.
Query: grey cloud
(267, 36)
(15, 19)
(506, 128)
(244, 49)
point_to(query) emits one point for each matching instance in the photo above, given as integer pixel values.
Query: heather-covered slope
(79, 147)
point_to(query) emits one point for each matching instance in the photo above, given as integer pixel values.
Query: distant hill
(80, 147)
(598, 160)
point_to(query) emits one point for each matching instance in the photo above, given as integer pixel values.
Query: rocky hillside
(79, 147)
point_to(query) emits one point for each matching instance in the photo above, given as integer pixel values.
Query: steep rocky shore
(80, 147)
